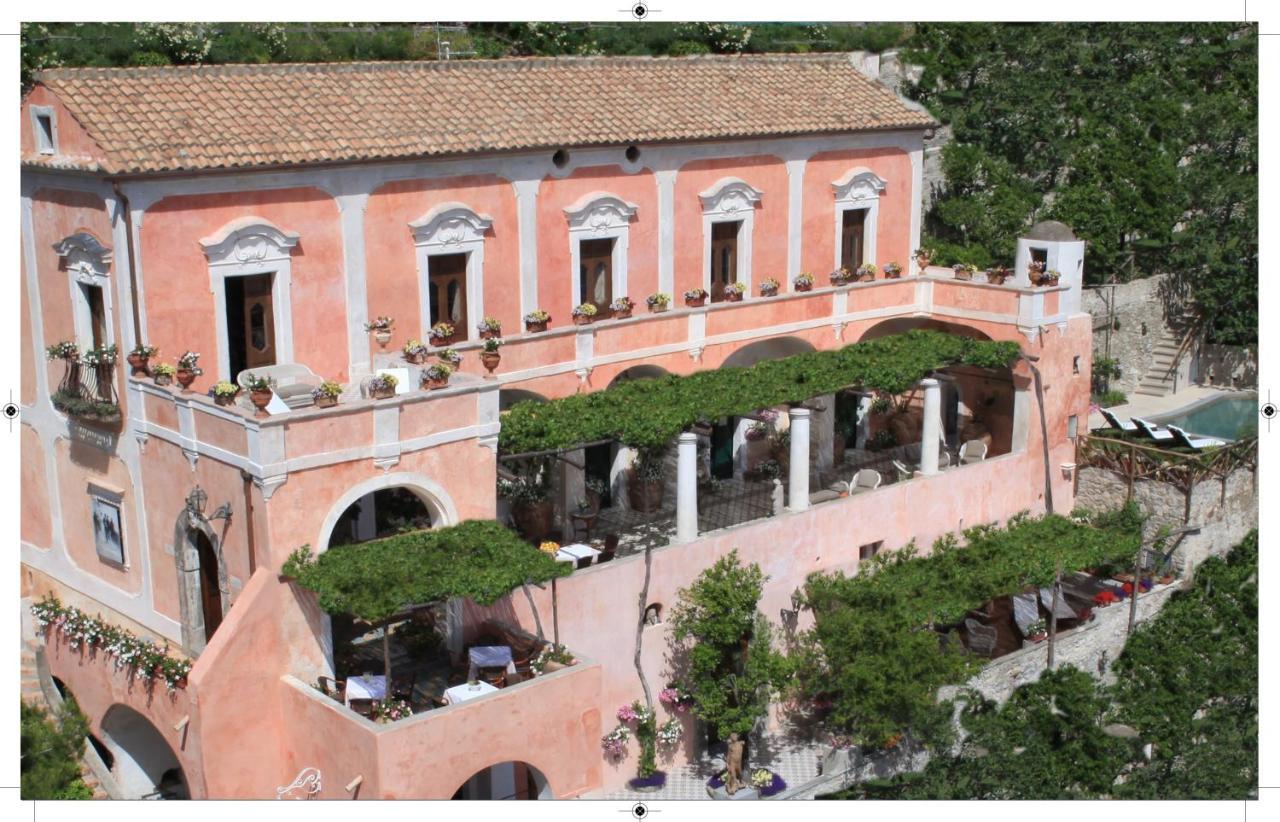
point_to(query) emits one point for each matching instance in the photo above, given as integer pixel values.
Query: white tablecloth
(490, 656)
(575, 552)
(463, 692)
(375, 687)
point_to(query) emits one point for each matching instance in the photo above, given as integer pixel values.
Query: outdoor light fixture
(198, 499)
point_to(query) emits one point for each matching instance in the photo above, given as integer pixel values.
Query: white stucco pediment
(858, 184)
(248, 241)
(729, 196)
(83, 253)
(450, 224)
(599, 212)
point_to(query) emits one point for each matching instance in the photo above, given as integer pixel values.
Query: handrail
(88, 390)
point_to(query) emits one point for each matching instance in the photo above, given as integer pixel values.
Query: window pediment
(83, 254)
(450, 224)
(729, 196)
(249, 241)
(858, 184)
(599, 212)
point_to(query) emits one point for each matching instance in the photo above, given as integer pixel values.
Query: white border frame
(859, 189)
(114, 498)
(45, 111)
(451, 228)
(730, 200)
(87, 261)
(600, 216)
(242, 248)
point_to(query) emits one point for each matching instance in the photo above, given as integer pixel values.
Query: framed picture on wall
(108, 535)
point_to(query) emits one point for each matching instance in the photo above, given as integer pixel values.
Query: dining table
(576, 551)
(465, 691)
(490, 656)
(367, 686)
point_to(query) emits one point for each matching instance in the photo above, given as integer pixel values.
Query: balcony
(87, 392)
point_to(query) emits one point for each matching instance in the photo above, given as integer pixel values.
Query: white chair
(1152, 431)
(904, 473)
(973, 451)
(1187, 441)
(293, 382)
(1117, 423)
(863, 481)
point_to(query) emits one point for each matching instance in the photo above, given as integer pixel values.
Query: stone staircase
(1160, 378)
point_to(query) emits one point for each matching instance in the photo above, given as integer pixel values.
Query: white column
(799, 500)
(687, 488)
(931, 427)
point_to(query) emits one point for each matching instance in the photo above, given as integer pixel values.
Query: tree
(722, 654)
(51, 751)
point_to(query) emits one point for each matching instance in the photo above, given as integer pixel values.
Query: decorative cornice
(858, 184)
(728, 196)
(247, 241)
(83, 248)
(599, 212)
(450, 224)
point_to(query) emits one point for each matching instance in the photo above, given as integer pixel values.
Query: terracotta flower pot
(996, 279)
(185, 377)
(432, 384)
(416, 359)
(488, 335)
(922, 263)
(163, 379)
(963, 274)
(659, 308)
(138, 363)
(583, 319)
(325, 401)
(533, 519)
(224, 399)
(804, 286)
(383, 393)
(490, 359)
(441, 342)
(890, 274)
(260, 400)
(839, 280)
(732, 297)
(624, 314)
(535, 328)
(645, 497)
(383, 337)
(768, 291)
(695, 302)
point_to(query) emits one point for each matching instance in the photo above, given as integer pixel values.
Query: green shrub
(51, 751)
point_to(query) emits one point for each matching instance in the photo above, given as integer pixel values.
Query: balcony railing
(88, 391)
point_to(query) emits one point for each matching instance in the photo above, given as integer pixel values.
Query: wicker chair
(364, 707)
(333, 688)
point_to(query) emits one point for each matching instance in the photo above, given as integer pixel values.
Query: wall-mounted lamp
(198, 499)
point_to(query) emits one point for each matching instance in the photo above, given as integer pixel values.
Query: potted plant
(489, 327)
(923, 257)
(621, 307)
(224, 393)
(450, 357)
(383, 386)
(646, 482)
(259, 391)
(553, 658)
(695, 297)
(658, 302)
(436, 376)
(65, 350)
(139, 356)
(188, 369)
(380, 327)
(390, 709)
(442, 333)
(803, 281)
(326, 395)
(996, 275)
(964, 271)
(1050, 277)
(163, 373)
(892, 271)
(536, 321)
(489, 355)
(415, 352)
(529, 493)
(841, 276)
(734, 291)
(1037, 630)
(1035, 271)
(769, 288)
(867, 272)
(585, 314)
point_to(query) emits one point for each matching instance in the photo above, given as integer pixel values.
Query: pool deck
(1142, 405)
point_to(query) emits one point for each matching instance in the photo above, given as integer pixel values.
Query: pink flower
(626, 713)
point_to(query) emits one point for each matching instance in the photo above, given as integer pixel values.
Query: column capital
(929, 382)
(799, 412)
(688, 437)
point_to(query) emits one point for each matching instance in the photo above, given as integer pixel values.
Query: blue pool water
(1231, 417)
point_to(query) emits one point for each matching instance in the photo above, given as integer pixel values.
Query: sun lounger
(1187, 441)
(1116, 422)
(865, 480)
(1152, 431)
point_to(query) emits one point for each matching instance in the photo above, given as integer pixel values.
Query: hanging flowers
(669, 733)
(390, 710)
(614, 743)
(675, 699)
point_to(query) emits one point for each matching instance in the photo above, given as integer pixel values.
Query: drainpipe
(1030, 360)
(247, 479)
(123, 203)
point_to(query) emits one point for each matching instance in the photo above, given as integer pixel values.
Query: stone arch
(639, 372)
(902, 324)
(513, 779)
(773, 348)
(187, 563)
(508, 397)
(431, 493)
(144, 763)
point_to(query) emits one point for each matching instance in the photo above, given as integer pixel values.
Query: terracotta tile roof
(207, 117)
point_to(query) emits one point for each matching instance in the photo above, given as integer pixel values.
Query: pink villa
(266, 217)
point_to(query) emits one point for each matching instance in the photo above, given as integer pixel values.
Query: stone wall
(1231, 366)
(1138, 324)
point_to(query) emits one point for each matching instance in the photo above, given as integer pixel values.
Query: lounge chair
(1152, 431)
(293, 382)
(1187, 441)
(865, 480)
(973, 451)
(1116, 422)
(904, 473)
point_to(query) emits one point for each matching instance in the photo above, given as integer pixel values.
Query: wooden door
(259, 321)
(447, 274)
(210, 590)
(724, 257)
(595, 273)
(851, 250)
(97, 315)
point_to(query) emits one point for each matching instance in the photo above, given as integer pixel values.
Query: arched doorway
(210, 589)
(204, 594)
(774, 348)
(382, 513)
(144, 765)
(506, 780)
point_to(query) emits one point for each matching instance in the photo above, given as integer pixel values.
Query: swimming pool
(1228, 417)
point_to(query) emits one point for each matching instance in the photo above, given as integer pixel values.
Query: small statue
(733, 766)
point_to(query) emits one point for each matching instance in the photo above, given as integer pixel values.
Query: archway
(382, 513)
(145, 767)
(210, 591)
(411, 491)
(639, 372)
(508, 397)
(774, 348)
(900, 325)
(204, 594)
(506, 780)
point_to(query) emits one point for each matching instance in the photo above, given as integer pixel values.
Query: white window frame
(115, 498)
(730, 200)
(43, 146)
(859, 189)
(87, 261)
(242, 248)
(451, 228)
(599, 216)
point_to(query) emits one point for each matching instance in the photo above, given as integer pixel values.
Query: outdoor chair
(402, 686)
(1116, 422)
(497, 677)
(1196, 443)
(364, 707)
(584, 562)
(865, 480)
(1152, 431)
(334, 688)
(605, 556)
(904, 473)
(293, 382)
(973, 451)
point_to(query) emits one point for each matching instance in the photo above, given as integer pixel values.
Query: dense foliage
(480, 560)
(649, 414)
(1187, 685)
(1142, 137)
(874, 653)
(721, 647)
(51, 751)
